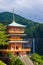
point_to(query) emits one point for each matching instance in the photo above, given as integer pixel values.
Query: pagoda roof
(16, 24)
(18, 34)
(19, 41)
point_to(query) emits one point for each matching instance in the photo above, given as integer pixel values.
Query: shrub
(36, 57)
(14, 60)
(2, 63)
(18, 62)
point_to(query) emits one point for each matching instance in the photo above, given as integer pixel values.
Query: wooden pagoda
(16, 40)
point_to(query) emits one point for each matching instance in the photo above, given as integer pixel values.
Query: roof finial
(13, 14)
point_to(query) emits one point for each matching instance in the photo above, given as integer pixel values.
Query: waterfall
(33, 45)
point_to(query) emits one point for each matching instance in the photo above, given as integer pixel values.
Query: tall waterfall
(33, 45)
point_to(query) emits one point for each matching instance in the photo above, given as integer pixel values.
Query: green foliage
(3, 35)
(19, 62)
(2, 63)
(2, 27)
(37, 58)
(12, 57)
(38, 33)
(42, 57)
(14, 60)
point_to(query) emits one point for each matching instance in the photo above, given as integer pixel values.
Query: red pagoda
(16, 40)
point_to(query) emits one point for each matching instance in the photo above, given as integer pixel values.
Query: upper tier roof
(16, 24)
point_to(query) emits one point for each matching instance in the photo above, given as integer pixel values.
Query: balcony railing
(18, 34)
(14, 50)
(15, 31)
(19, 41)
(15, 39)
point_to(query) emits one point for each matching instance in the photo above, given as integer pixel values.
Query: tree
(14, 60)
(3, 35)
(39, 39)
(36, 57)
(18, 62)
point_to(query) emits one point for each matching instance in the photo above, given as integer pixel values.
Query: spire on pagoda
(13, 16)
(14, 23)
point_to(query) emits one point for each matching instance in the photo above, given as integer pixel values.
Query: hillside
(6, 18)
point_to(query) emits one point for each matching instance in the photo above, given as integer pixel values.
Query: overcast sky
(30, 9)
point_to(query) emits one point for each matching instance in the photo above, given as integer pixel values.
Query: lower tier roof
(18, 41)
(18, 34)
(14, 50)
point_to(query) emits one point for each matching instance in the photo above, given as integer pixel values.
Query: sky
(30, 9)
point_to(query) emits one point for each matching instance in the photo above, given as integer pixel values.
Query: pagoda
(16, 40)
